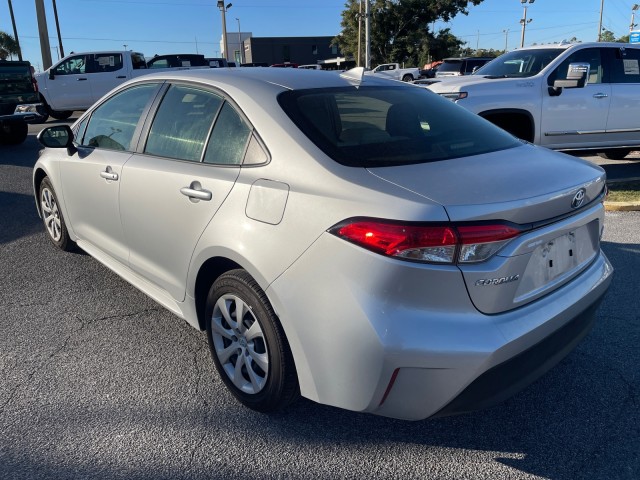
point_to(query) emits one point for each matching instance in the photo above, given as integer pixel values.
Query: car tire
(407, 78)
(60, 114)
(13, 132)
(52, 217)
(615, 153)
(251, 354)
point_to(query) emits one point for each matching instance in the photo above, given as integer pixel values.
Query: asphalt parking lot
(98, 381)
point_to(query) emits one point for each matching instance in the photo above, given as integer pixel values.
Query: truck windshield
(389, 126)
(519, 63)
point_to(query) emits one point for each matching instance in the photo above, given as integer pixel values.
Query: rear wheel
(407, 78)
(60, 114)
(248, 345)
(615, 153)
(52, 217)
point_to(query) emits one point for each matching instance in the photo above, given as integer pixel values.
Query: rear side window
(626, 66)
(387, 126)
(229, 138)
(113, 123)
(454, 66)
(181, 126)
(107, 62)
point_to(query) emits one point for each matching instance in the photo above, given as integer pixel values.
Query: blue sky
(185, 26)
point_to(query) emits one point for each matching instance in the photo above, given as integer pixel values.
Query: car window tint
(626, 66)
(182, 123)
(72, 66)
(592, 56)
(229, 138)
(384, 126)
(255, 154)
(113, 123)
(107, 62)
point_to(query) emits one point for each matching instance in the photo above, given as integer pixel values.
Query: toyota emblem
(578, 198)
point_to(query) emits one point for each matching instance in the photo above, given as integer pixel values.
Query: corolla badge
(578, 198)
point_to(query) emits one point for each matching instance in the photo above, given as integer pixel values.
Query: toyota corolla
(361, 242)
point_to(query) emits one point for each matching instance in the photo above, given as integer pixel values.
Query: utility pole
(600, 23)
(367, 35)
(55, 14)
(45, 49)
(359, 35)
(506, 39)
(524, 21)
(15, 31)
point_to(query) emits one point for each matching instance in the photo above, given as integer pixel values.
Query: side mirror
(577, 76)
(58, 136)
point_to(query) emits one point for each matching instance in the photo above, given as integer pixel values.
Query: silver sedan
(357, 241)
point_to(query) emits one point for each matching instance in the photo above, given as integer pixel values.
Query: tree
(8, 45)
(400, 29)
(607, 36)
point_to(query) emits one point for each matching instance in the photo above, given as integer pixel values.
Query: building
(274, 50)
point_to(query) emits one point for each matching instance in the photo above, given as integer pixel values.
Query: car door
(174, 187)
(68, 84)
(107, 72)
(623, 126)
(91, 176)
(577, 117)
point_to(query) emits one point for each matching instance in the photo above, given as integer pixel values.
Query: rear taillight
(432, 243)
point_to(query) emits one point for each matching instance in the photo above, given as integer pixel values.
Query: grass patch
(624, 192)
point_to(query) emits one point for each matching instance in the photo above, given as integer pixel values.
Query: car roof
(248, 78)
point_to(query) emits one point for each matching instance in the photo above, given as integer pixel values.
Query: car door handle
(600, 95)
(108, 174)
(80, 79)
(121, 76)
(195, 192)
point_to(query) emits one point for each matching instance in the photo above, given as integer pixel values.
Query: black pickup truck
(17, 88)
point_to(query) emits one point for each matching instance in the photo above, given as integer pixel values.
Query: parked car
(359, 241)
(80, 79)
(19, 101)
(394, 72)
(177, 60)
(217, 62)
(581, 96)
(460, 66)
(285, 65)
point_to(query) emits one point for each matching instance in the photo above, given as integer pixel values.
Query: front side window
(386, 126)
(113, 123)
(72, 66)
(228, 139)
(181, 126)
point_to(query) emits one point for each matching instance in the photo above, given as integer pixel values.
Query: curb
(621, 206)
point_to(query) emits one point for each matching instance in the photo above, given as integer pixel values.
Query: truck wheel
(615, 153)
(407, 78)
(13, 133)
(60, 114)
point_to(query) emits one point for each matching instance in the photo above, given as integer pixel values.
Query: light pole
(223, 10)
(600, 23)
(633, 23)
(240, 44)
(367, 35)
(523, 20)
(506, 39)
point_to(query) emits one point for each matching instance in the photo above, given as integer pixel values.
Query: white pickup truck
(78, 80)
(566, 97)
(393, 71)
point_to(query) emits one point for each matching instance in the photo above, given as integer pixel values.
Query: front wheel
(248, 345)
(60, 114)
(52, 217)
(615, 153)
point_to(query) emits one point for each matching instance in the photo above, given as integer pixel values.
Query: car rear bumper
(400, 340)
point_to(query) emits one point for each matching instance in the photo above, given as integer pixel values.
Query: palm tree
(8, 45)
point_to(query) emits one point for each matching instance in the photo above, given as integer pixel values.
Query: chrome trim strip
(591, 132)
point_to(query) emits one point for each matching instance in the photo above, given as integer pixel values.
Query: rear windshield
(388, 126)
(15, 79)
(450, 66)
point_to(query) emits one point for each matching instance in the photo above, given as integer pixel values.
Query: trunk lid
(533, 187)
